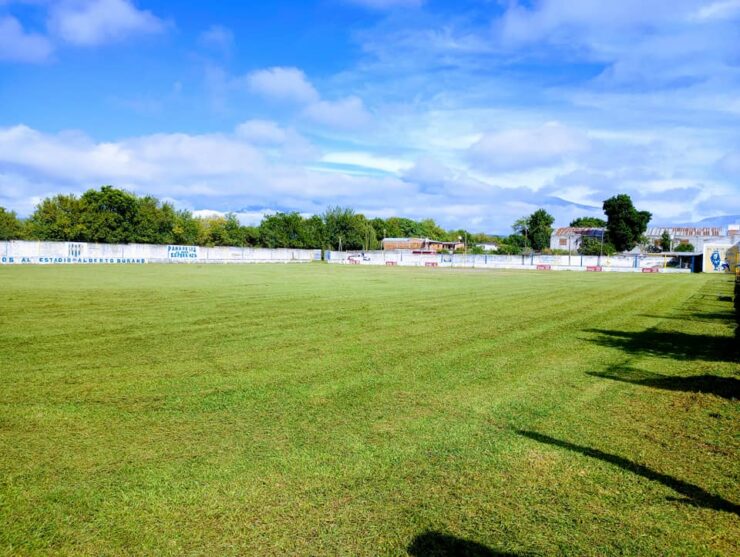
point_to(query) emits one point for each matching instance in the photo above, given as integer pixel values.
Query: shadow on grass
(436, 544)
(727, 316)
(694, 494)
(669, 344)
(725, 387)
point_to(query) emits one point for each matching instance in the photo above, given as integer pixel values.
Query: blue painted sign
(182, 252)
(15, 260)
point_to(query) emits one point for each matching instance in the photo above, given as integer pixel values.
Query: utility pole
(569, 248)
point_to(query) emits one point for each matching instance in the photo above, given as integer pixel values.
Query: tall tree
(346, 227)
(625, 224)
(10, 227)
(109, 215)
(314, 233)
(665, 241)
(155, 221)
(186, 229)
(282, 230)
(540, 229)
(588, 222)
(57, 218)
(521, 227)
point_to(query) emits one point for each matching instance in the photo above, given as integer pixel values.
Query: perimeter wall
(45, 253)
(621, 263)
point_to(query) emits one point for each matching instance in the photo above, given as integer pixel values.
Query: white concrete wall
(21, 252)
(556, 262)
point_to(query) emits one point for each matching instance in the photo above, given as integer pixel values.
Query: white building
(569, 238)
(696, 236)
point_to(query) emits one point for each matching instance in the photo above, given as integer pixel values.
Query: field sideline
(341, 410)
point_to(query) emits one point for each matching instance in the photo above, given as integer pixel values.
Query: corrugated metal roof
(686, 231)
(579, 231)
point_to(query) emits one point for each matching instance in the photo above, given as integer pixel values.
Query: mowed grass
(331, 410)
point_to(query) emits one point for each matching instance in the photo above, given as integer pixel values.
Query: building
(696, 236)
(420, 244)
(488, 246)
(569, 238)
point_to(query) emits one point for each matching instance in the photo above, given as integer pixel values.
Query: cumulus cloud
(292, 85)
(282, 84)
(270, 135)
(94, 22)
(347, 113)
(522, 148)
(262, 132)
(16, 45)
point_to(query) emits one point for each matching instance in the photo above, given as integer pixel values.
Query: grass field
(330, 410)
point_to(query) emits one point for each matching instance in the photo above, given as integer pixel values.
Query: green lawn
(332, 410)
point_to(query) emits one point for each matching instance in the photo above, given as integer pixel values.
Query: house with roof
(570, 237)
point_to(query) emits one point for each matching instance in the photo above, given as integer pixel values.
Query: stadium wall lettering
(67, 253)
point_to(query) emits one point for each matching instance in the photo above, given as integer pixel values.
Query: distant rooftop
(695, 231)
(579, 231)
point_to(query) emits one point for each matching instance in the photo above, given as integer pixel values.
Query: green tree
(314, 233)
(345, 226)
(625, 224)
(57, 218)
(155, 221)
(684, 248)
(594, 246)
(282, 230)
(251, 236)
(588, 222)
(219, 230)
(11, 228)
(665, 241)
(537, 229)
(109, 215)
(186, 229)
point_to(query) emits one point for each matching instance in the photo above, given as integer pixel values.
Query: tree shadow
(694, 494)
(669, 344)
(725, 387)
(436, 544)
(727, 316)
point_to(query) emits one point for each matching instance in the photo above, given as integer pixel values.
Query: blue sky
(470, 112)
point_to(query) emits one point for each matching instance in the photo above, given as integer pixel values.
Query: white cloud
(348, 113)
(292, 85)
(16, 45)
(267, 134)
(283, 84)
(367, 160)
(93, 22)
(510, 149)
(559, 18)
(724, 9)
(217, 37)
(262, 132)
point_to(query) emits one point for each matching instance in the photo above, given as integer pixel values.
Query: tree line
(112, 215)
(115, 216)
